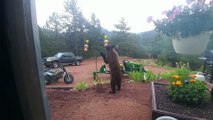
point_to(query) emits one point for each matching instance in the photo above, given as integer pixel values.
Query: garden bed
(163, 106)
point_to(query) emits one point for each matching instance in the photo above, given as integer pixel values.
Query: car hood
(51, 59)
(79, 57)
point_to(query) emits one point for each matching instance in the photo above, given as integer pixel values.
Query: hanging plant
(188, 20)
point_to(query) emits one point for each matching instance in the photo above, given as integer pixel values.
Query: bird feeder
(86, 47)
(106, 42)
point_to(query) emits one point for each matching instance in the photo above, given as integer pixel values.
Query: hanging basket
(192, 45)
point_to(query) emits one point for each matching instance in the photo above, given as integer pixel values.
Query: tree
(95, 35)
(69, 30)
(75, 25)
(122, 26)
(50, 43)
(54, 23)
(122, 38)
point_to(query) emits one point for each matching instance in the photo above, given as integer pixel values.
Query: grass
(101, 81)
(81, 86)
(137, 76)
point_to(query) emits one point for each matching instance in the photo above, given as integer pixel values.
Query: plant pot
(163, 106)
(192, 45)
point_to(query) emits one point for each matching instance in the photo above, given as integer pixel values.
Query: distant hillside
(148, 36)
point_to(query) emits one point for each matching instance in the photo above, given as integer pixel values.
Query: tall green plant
(137, 76)
(150, 76)
(81, 86)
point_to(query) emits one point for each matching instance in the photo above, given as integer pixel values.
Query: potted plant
(192, 21)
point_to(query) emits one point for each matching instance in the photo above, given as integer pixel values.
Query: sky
(109, 12)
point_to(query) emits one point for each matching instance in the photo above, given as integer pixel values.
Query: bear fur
(111, 58)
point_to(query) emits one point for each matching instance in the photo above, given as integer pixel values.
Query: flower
(191, 19)
(192, 81)
(173, 83)
(178, 83)
(176, 76)
(193, 76)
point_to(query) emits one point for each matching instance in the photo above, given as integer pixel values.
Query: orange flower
(192, 81)
(193, 76)
(176, 76)
(178, 83)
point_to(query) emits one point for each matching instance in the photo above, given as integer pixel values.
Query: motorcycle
(54, 74)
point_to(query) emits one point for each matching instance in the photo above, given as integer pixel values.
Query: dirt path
(133, 102)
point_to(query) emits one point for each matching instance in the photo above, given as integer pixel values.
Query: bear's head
(109, 47)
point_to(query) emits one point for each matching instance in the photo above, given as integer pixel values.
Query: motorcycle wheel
(68, 78)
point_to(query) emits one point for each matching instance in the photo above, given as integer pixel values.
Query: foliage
(81, 86)
(184, 89)
(193, 62)
(128, 44)
(122, 27)
(166, 75)
(147, 76)
(168, 57)
(54, 23)
(181, 70)
(137, 76)
(51, 42)
(190, 19)
(68, 31)
(150, 76)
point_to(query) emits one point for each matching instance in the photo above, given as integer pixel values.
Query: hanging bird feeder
(106, 42)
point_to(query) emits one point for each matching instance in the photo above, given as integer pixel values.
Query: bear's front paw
(101, 53)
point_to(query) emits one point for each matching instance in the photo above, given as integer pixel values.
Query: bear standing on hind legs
(111, 58)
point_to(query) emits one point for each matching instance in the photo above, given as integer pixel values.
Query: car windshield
(58, 55)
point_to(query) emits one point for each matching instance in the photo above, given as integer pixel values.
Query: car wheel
(55, 64)
(46, 66)
(68, 78)
(47, 79)
(77, 63)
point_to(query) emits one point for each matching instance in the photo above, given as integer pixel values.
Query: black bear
(111, 58)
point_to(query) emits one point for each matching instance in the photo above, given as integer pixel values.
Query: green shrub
(184, 72)
(137, 76)
(166, 75)
(189, 93)
(184, 89)
(147, 76)
(81, 86)
(150, 76)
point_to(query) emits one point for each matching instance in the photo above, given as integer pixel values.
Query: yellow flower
(173, 83)
(193, 76)
(178, 83)
(176, 76)
(192, 81)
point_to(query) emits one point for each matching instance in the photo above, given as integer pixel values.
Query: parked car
(65, 58)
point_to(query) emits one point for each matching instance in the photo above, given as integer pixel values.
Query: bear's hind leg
(118, 84)
(113, 86)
